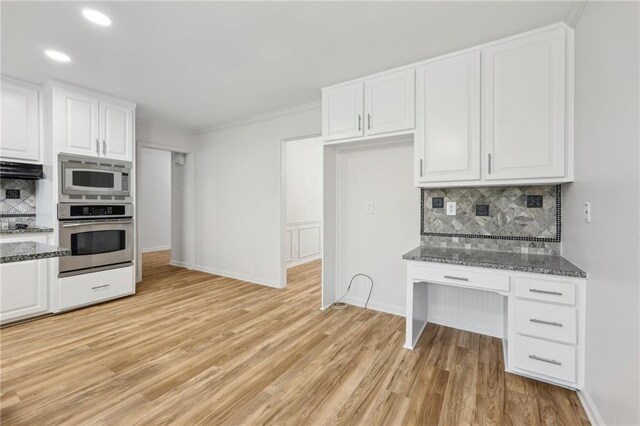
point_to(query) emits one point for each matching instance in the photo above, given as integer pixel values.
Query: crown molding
(263, 117)
(575, 12)
(155, 124)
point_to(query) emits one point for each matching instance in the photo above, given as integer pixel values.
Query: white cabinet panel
(390, 102)
(116, 131)
(23, 289)
(342, 112)
(448, 123)
(95, 287)
(547, 321)
(524, 93)
(20, 138)
(79, 131)
(553, 360)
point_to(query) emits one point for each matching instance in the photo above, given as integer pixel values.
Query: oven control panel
(80, 211)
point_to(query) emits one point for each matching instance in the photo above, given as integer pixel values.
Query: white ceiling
(195, 65)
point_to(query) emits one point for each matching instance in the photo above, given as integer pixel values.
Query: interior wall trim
(590, 408)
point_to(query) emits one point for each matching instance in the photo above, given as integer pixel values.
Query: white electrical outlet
(252, 273)
(587, 212)
(451, 208)
(369, 209)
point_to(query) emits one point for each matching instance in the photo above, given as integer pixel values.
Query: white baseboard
(376, 306)
(590, 408)
(179, 263)
(255, 280)
(465, 326)
(303, 261)
(158, 248)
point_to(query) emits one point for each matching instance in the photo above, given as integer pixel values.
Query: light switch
(587, 212)
(369, 209)
(451, 208)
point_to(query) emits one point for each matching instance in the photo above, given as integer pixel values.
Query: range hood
(10, 170)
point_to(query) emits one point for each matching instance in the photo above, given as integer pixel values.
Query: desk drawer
(546, 290)
(547, 321)
(462, 277)
(549, 359)
(95, 287)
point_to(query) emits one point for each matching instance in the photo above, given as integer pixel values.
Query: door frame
(190, 196)
(283, 202)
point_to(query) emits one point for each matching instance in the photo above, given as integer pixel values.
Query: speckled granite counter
(522, 262)
(31, 229)
(29, 250)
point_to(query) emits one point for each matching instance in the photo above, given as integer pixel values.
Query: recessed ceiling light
(57, 56)
(96, 17)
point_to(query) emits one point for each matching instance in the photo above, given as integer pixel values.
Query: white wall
(304, 180)
(607, 175)
(374, 243)
(154, 200)
(239, 207)
(179, 224)
(161, 136)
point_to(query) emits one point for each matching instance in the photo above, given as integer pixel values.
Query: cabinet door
(390, 102)
(524, 102)
(20, 121)
(448, 123)
(116, 131)
(342, 112)
(23, 289)
(79, 123)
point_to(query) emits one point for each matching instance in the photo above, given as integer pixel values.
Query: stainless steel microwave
(86, 178)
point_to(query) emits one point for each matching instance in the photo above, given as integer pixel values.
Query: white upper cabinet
(20, 138)
(116, 131)
(342, 112)
(375, 106)
(92, 125)
(79, 123)
(389, 102)
(447, 138)
(524, 107)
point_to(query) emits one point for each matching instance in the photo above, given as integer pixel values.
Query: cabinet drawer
(547, 321)
(546, 290)
(95, 287)
(554, 360)
(462, 277)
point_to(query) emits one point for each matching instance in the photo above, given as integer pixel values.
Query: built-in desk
(545, 301)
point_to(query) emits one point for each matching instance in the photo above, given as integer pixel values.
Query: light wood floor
(192, 348)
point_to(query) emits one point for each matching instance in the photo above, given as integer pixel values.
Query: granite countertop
(522, 262)
(29, 230)
(29, 250)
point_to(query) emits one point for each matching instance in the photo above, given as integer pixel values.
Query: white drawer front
(547, 321)
(462, 277)
(546, 290)
(554, 360)
(90, 288)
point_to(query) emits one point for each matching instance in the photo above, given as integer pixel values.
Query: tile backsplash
(519, 218)
(21, 209)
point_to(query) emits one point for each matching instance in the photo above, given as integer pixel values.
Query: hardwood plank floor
(193, 348)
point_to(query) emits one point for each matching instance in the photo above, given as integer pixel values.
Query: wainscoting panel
(304, 242)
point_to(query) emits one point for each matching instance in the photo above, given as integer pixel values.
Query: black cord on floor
(342, 305)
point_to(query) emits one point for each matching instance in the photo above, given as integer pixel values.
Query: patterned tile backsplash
(21, 209)
(523, 218)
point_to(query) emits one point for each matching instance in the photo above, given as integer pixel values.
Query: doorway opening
(163, 230)
(302, 204)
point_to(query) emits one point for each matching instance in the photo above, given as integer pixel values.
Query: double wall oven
(95, 215)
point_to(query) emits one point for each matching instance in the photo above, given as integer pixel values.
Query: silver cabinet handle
(104, 147)
(550, 361)
(98, 146)
(456, 278)
(554, 293)
(100, 286)
(97, 222)
(359, 122)
(539, 321)
(489, 163)
(368, 121)
(421, 167)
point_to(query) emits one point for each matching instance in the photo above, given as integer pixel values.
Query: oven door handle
(111, 222)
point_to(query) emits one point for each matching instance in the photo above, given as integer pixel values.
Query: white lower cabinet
(23, 290)
(544, 321)
(88, 289)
